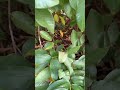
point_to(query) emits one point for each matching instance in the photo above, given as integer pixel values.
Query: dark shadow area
(17, 44)
(102, 44)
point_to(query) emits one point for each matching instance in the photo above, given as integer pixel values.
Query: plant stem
(10, 28)
(39, 37)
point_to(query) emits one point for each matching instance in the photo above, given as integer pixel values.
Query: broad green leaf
(68, 63)
(78, 80)
(49, 45)
(42, 58)
(57, 83)
(80, 14)
(108, 86)
(41, 61)
(73, 4)
(28, 47)
(13, 60)
(63, 56)
(95, 56)
(43, 76)
(42, 86)
(94, 28)
(23, 21)
(73, 50)
(53, 53)
(113, 5)
(79, 72)
(76, 87)
(80, 63)
(9, 75)
(45, 4)
(44, 18)
(113, 32)
(45, 35)
(40, 51)
(61, 73)
(74, 37)
(68, 10)
(54, 66)
(82, 39)
(113, 76)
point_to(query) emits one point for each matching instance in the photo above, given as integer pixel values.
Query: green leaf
(94, 28)
(49, 45)
(68, 64)
(57, 83)
(43, 76)
(9, 76)
(76, 87)
(45, 35)
(80, 14)
(23, 21)
(73, 50)
(78, 80)
(45, 19)
(54, 67)
(113, 32)
(74, 38)
(42, 86)
(13, 60)
(63, 56)
(113, 5)
(41, 61)
(68, 10)
(95, 56)
(113, 76)
(28, 47)
(80, 63)
(73, 4)
(45, 4)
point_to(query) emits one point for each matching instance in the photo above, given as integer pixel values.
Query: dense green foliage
(16, 69)
(59, 55)
(102, 45)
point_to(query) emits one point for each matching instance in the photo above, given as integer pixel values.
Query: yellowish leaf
(62, 20)
(56, 18)
(61, 33)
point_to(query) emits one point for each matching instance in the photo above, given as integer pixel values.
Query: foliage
(16, 69)
(102, 45)
(59, 54)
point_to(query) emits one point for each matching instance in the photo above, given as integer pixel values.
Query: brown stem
(10, 28)
(39, 37)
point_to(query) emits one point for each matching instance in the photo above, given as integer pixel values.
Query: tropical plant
(17, 44)
(102, 45)
(60, 38)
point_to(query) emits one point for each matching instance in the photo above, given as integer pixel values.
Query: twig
(39, 37)
(10, 28)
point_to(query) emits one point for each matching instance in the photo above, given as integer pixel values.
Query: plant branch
(39, 37)
(10, 28)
